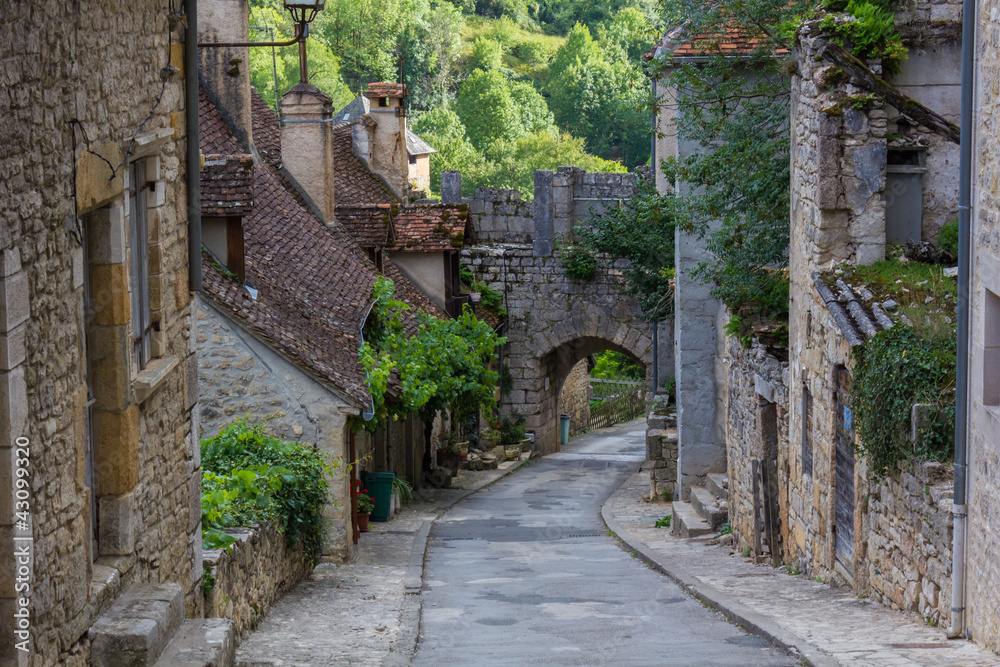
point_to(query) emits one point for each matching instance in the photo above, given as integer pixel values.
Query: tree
(515, 162)
(492, 109)
(596, 93)
(641, 230)
(431, 46)
(443, 129)
(486, 54)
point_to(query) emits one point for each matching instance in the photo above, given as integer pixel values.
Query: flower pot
(463, 450)
(526, 445)
(363, 522)
(513, 452)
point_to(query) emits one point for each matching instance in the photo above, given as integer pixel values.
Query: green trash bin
(563, 429)
(379, 485)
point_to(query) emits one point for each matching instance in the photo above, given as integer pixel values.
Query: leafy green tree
(641, 230)
(596, 93)
(486, 54)
(443, 129)
(431, 46)
(559, 16)
(366, 34)
(493, 108)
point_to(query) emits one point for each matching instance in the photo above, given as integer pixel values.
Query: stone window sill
(153, 376)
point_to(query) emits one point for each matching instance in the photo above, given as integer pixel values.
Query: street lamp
(303, 12)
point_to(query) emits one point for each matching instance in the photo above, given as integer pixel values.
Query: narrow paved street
(524, 573)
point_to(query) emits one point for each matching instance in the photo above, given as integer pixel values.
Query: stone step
(686, 522)
(717, 484)
(201, 642)
(137, 627)
(704, 504)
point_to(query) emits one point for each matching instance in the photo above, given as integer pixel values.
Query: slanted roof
(227, 179)
(733, 40)
(354, 184)
(369, 225)
(355, 109)
(431, 227)
(266, 129)
(417, 146)
(409, 293)
(858, 313)
(386, 89)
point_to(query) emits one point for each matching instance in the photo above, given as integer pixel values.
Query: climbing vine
(897, 370)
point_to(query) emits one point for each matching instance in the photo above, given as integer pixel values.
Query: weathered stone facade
(574, 399)
(983, 503)
(661, 448)
(250, 575)
(554, 322)
(756, 424)
(59, 66)
(241, 376)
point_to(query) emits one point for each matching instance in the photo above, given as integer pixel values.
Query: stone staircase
(145, 627)
(706, 511)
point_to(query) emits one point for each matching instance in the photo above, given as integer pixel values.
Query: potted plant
(449, 453)
(366, 505)
(508, 431)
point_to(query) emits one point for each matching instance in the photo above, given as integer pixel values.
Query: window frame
(138, 204)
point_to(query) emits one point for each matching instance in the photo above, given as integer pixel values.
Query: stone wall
(253, 573)
(983, 503)
(241, 376)
(574, 400)
(570, 194)
(756, 426)
(554, 323)
(58, 64)
(661, 448)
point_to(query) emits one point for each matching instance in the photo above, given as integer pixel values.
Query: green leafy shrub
(611, 365)
(248, 476)
(509, 429)
(895, 371)
(948, 238)
(579, 263)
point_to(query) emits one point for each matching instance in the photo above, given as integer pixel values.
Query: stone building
(98, 377)
(861, 178)
(982, 598)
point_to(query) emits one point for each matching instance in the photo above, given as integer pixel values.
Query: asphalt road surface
(524, 573)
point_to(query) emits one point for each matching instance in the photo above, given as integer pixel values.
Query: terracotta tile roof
(215, 137)
(266, 130)
(386, 89)
(431, 227)
(227, 185)
(370, 226)
(313, 287)
(733, 40)
(354, 184)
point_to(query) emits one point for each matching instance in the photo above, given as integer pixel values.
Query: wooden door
(844, 472)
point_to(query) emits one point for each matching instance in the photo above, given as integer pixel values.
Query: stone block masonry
(96, 529)
(249, 576)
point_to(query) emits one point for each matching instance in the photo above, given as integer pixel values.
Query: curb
(405, 647)
(736, 612)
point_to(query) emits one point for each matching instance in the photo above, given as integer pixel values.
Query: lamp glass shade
(304, 11)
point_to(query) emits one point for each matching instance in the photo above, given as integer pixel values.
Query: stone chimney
(381, 144)
(224, 73)
(307, 147)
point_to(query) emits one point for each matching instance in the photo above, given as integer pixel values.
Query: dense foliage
(641, 230)
(488, 63)
(896, 370)
(611, 365)
(444, 366)
(248, 476)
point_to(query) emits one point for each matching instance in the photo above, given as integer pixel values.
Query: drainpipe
(193, 145)
(958, 622)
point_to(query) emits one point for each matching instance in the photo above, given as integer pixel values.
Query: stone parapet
(251, 574)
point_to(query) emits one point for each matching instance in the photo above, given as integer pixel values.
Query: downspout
(193, 145)
(367, 415)
(960, 517)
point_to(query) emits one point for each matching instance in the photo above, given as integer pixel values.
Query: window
(807, 429)
(904, 195)
(223, 238)
(139, 263)
(991, 351)
(383, 101)
(413, 159)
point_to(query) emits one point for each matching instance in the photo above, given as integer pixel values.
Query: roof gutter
(193, 157)
(960, 516)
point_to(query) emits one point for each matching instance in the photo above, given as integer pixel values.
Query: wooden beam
(862, 76)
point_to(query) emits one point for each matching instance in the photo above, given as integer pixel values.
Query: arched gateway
(554, 321)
